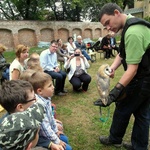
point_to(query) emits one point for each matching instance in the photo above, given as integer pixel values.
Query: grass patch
(81, 119)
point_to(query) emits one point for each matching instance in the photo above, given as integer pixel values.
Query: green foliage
(147, 19)
(129, 3)
(23, 9)
(74, 10)
(10, 55)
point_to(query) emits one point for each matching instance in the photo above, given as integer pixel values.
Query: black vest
(144, 65)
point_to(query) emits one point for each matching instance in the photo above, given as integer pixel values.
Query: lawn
(81, 119)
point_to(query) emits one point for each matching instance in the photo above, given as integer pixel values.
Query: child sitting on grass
(17, 96)
(43, 87)
(25, 75)
(19, 131)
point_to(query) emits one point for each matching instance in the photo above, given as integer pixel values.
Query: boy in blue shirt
(43, 87)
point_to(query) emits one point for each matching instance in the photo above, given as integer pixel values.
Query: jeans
(5, 74)
(134, 104)
(107, 53)
(60, 79)
(65, 139)
(86, 55)
(44, 142)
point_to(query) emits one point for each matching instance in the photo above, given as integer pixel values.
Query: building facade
(141, 9)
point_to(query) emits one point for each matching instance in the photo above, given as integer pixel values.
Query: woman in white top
(71, 45)
(18, 65)
(78, 75)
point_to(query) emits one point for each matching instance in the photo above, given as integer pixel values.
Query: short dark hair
(70, 38)
(109, 9)
(54, 41)
(13, 93)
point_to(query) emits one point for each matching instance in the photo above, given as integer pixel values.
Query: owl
(103, 82)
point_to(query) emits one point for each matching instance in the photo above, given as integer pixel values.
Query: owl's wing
(103, 88)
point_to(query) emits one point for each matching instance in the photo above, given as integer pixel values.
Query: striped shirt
(48, 127)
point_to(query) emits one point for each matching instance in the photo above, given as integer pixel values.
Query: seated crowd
(30, 79)
(31, 83)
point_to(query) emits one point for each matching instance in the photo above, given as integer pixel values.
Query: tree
(71, 10)
(22, 9)
(66, 10)
(128, 3)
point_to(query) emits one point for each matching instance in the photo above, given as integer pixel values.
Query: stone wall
(30, 33)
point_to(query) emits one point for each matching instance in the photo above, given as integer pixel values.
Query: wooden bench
(101, 52)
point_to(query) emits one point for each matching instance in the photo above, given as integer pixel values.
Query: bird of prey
(103, 82)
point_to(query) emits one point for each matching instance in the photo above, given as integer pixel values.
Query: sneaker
(60, 94)
(127, 146)
(105, 140)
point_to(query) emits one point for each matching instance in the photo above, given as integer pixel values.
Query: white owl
(103, 82)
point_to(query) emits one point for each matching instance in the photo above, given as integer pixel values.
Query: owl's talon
(98, 103)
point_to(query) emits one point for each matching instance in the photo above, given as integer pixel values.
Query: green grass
(81, 119)
(10, 55)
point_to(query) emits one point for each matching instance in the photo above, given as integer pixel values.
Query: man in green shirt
(132, 92)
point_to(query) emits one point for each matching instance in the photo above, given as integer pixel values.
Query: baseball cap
(19, 129)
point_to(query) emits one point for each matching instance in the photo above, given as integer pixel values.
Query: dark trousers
(134, 104)
(83, 80)
(115, 48)
(107, 52)
(60, 80)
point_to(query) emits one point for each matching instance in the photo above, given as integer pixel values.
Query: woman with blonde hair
(18, 65)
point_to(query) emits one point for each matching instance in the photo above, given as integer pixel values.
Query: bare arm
(128, 74)
(116, 63)
(15, 74)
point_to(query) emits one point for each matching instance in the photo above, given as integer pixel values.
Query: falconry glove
(116, 92)
(113, 95)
